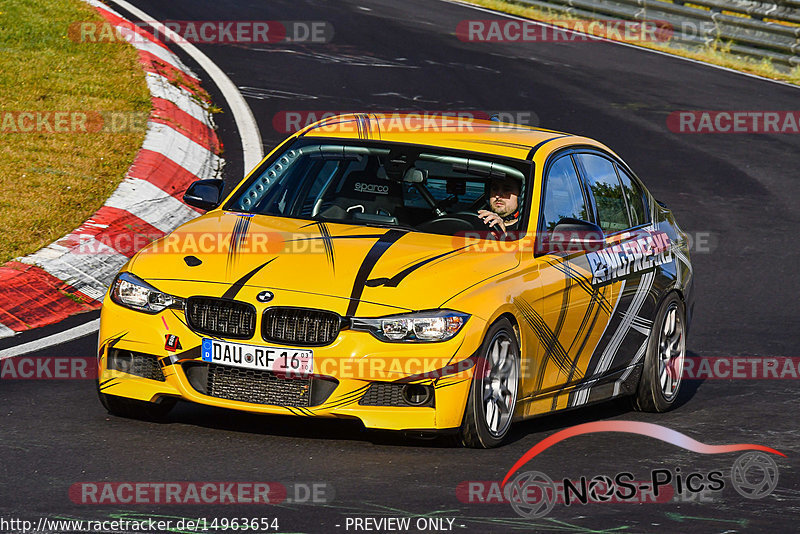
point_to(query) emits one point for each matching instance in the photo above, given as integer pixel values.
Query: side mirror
(205, 194)
(571, 235)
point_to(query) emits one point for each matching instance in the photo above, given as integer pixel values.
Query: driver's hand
(493, 220)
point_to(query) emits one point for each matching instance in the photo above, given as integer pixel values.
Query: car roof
(448, 131)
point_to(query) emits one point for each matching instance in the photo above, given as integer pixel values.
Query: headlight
(136, 294)
(435, 325)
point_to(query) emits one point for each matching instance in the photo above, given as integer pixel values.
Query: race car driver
(503, 203)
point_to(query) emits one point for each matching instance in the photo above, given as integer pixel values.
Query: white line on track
(84, 329)
(467, 4)
(242, 114)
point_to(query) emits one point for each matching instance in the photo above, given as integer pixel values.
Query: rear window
(634, 194)
(605, 187)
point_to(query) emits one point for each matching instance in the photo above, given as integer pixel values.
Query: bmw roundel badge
(265, 296)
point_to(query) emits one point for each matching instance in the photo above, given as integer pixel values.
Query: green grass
(716, 54)
(51, 182)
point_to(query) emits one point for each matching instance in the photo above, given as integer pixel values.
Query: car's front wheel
(493, 395)
(663, 364)
(135, 409)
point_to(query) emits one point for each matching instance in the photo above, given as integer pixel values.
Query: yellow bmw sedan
(427, 274)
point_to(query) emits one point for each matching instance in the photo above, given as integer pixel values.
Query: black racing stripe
(347, 399)
(107, 386)
(535, 325)
(578, 335)
(438, 387)
(234, 240)
(578, 278)
(238, 236)
(341, 404)
(396, 279)
(347, 396)
(325, 235)
(454, 356)
(546, 337)
(359, 127)
(372, 257)
(610, 331)
(540, 145)
(232, 291)
(291, 410)
(352, 398)
(588, 332)
(113, 340)
(303, 410)
(584, 322)
(109, 344)
(191, 354)
(326, 240)
(449, 368)
(366, 128)
(104, 382)
(377, 125)
(562, 316)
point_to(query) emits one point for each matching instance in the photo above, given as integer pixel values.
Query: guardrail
(761, 30)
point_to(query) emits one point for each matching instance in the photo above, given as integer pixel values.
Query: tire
(136, 409)
(493, 394)
(659, 385)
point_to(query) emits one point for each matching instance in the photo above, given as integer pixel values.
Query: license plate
(276, 359)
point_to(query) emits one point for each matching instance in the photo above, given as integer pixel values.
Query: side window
(562, 194)
(607, 192)
(635, 197)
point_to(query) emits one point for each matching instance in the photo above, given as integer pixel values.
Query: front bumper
(344, 372)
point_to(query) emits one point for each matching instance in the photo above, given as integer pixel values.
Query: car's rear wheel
(493, 395)
(660, 382)
(135, 409)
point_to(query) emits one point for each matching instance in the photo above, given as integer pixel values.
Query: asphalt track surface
(740, 190)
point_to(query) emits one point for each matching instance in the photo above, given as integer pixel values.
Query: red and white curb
(71, 275)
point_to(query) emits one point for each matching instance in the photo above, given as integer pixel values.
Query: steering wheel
(452, 223)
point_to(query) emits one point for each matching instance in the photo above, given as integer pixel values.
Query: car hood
(391, 267)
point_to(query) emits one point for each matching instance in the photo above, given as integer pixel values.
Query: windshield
(417, 188)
